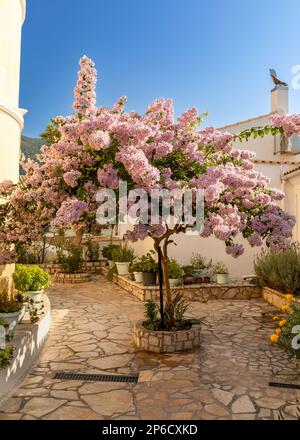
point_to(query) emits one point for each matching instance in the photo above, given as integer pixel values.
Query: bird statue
(276, 80)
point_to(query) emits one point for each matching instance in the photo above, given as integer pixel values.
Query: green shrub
(28, 254)
(108, 250)
(198, 262)
(174, 312)
(30, 278)
(123, 254)
(148, 263)
(92, 251)
(71, 262)
(280, 270)
(111, 272)
(6, 355)
(175, 270)
(188, 270)
(219, 268)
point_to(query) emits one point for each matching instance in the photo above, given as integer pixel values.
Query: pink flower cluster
(85, 95)
(289, 123)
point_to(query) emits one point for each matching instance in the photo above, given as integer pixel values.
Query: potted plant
(122, 256)
(175, 273)
(12, 310)
(31, 280)
(107, 253)
(137, 270)
(71, 262)
(149, 269)
(92, 250)
(199, 264)
(188, 277)
(221, 272)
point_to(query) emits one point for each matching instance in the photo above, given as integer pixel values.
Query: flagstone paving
(227, 378)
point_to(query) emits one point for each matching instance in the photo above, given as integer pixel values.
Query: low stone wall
(85, 266)
(194, 292)
(276, 298)
(28, 342)
(166, 342)
(72, 278)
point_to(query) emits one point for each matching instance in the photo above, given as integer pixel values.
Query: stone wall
(166, 342)
(72, 278)
(6, 282)
(85, 266)
(276, 298)
(203, 292)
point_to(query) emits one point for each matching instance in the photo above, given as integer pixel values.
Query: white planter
(110, 263)
(36, 296)
(138, 276)
(106, 232)
(222, 278)
(174, 282)
(123, 268)
(12, 319)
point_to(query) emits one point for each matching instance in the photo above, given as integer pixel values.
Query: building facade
(12, 16)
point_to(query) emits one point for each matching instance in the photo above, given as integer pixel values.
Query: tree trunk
(165, 267)
(78, 235)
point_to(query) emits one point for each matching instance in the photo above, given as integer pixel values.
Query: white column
(12, 15)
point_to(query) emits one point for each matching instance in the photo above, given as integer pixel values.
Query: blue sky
(211, 54)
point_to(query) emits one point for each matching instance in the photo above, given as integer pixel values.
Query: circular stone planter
(164, 341)
(72, 278)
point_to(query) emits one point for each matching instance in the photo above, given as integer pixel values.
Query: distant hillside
(31, 146)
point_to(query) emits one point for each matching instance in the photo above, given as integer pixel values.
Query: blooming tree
(97, 148)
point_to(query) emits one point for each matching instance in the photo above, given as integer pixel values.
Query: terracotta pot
(206, 280)
(198, 280)
(188, 279)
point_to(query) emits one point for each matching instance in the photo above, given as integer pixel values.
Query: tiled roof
(292, 171)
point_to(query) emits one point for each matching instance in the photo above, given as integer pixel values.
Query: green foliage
(52, 133)
(111, 272)
(219, 268)
(30, 147)
(151, 314)
(123, 254)
(188, 270)
(280, 270)
(256, 132)
(198, 262)
(30, 278)
(175, 270)
(148, 263)
(8, 305)
(6, 355)
(137, 266)
(174, 312)
(108, 250)
(71, 262)
(92, 252)
(286, 336)
(28, 254)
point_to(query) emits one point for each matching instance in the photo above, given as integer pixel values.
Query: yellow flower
(289, 297)
(274, 338)
(282, 323)
(278, 331)
(285, 308)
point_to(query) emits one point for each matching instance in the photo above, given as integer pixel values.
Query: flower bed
(72, 278)
(276, 298)
(203, 292)
(166, 341)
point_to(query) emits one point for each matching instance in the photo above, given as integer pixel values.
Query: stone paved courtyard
(91, 333)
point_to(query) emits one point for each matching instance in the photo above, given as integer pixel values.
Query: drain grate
(284, 385)
(132, 378)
